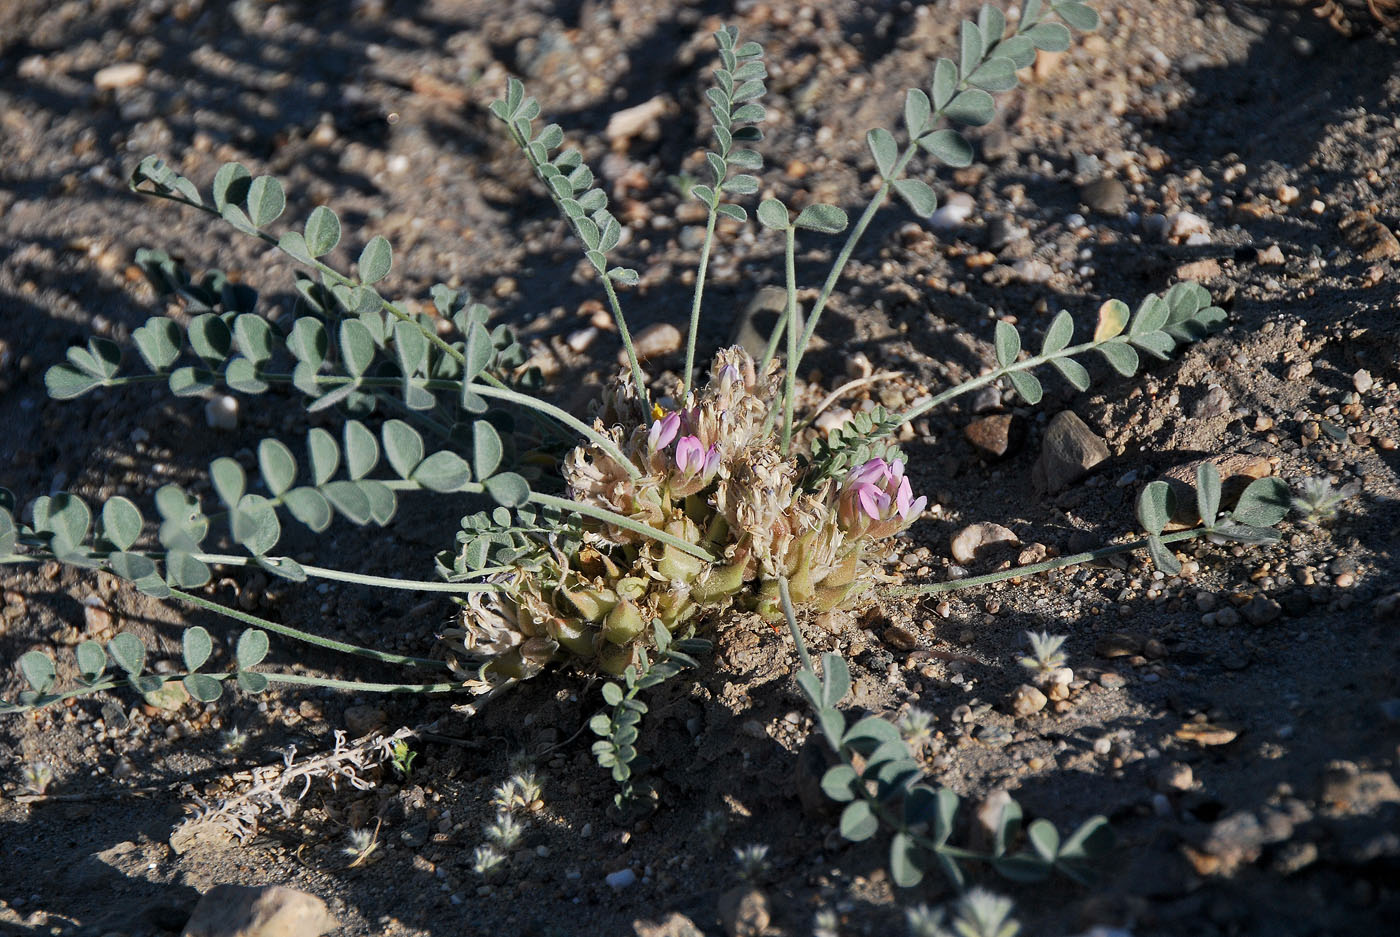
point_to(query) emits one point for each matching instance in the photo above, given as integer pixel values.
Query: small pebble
(621, 878)
(121, 75)
(1027, 700)
(221, 413)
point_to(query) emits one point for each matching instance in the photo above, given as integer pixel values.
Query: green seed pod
(623, 623)
(592, 604)
(721, 581)
(577, 637)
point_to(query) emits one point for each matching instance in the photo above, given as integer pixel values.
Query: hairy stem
(638, 379)
(304, 636)
(700, 274)
(790, 316)
(972, 582)
(848, 248)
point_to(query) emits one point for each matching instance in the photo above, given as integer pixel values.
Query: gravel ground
(1237, 723)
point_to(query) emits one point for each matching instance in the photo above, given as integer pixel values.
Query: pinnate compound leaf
(858, 821)
(121, 522)
(917, 195)
(251, 648)
(1027, 385)
(917, 110)
(231, 184)
(184, 571)
(1163, 558)
(1007, 344)
(250, 681)
(443, 471)
(403, 446)
(1263, 503)
(508, 489)
(309, 506)
(884, 149)
(1121, 356)
(1058, 336)
(907, 860)
(1155, 506)
(945, 83)
(197, 646)
(128, 651)
(949, 147)
(266, 201)
(228, 480)
(38, 669)
(376, 259)
(773, 214)
(827, 219)
(277, 466)
(973, 107)
(1049, 37)
(1079, 16)
(1113, 318)
(203, 687)
(158, 341)
(92, 661)
(1208, 493)
(1072, 371)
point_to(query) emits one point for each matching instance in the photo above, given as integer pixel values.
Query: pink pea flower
(663, 431)
(877, 500)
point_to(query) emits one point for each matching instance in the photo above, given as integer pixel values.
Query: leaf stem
(304, 636)
(839, 267)
(359, 579)
(700, 274)
(638, 378)
(953, 585)
(790, 316)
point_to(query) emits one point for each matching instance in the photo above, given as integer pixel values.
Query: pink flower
(876, 499)
(663, 431)
(693, 460)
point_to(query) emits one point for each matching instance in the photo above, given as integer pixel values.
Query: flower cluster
(710, 472)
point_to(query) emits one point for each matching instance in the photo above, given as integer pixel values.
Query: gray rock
(1002, 231)
(1261, 610)
(1070, 450)
(263, 911)
(1106, 196)
(755, 324)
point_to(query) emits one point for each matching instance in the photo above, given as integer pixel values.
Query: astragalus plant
(607, 540)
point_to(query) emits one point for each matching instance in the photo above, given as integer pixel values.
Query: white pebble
(954, 212)
(221, 412)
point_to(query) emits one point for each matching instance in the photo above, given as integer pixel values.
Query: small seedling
(363, 843)
(1045, 657)
(978, 913)
(916, 729)
(753, 862)
(401, 757)
(37, 777)
(487, 860)
(1317, 501)
(505, 831)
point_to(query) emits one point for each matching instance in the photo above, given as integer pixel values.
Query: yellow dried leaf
(1113, 319)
